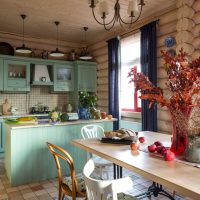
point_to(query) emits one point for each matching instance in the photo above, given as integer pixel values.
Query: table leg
(155, 189)
(117, 171)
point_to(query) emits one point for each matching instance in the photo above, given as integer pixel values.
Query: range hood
(41, 75)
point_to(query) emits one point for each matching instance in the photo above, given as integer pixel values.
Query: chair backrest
(92, 131)
(59, 153)
(101, 189)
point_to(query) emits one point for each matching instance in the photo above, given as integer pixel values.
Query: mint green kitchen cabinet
(27, 158)
(1, 74)
(1, 138)
(16, 76)
(63, 75)
(86, 76)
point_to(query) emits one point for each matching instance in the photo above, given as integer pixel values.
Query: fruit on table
(159, 149)
(141, 139)
(169, 155)
(135, 145)
(158, 143)
(152, 148)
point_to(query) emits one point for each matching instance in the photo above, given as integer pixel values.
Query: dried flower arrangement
(184, 85)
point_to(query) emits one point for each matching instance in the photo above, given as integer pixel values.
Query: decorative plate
(170, 41)
(6, 49)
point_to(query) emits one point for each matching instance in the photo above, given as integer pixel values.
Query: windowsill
(131, 116)
(135, 115)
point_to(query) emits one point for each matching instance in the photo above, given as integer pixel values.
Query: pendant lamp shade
(23, 48)
(85, 55)
(57, 53)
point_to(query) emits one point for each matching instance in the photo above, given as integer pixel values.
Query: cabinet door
(1, 138)
(63, 78)
(1, 74)
(87, 78)
(16, 76)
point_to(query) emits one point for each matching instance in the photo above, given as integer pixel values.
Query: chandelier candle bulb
(103, 8)
(132, 7)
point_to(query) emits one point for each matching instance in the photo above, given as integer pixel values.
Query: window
(130, 57)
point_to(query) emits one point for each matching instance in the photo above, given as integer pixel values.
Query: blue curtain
(113, 73)
(149, 68)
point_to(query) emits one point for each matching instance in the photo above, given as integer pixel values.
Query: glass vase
(179, 131)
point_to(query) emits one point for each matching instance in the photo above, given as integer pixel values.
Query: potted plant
(86, 102)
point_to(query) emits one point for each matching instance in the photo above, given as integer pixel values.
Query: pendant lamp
(84, 53)
(23, 48)
(57, 53)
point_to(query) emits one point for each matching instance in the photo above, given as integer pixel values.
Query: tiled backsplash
(24, 102)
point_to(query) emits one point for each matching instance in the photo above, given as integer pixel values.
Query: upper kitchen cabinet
(86, 76)
(16, 76)
(1, 74)
(63, 75)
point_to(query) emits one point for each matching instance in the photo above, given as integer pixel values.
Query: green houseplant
(86, 102)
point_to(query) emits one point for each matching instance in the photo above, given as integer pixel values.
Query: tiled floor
(47, 190)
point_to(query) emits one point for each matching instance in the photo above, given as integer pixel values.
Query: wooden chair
(105, 189)
(96, 131)
(64, 189)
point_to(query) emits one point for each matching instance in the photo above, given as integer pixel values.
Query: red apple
(141, 139)
(134, 145)
(152, 148)
(158, 143)
(159, 149)
(163, 151)
(169, 155)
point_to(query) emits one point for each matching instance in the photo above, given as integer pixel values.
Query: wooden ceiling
(72, 14)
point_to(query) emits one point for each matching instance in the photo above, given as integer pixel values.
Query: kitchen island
(27, 158)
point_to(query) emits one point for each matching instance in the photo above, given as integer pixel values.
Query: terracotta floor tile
(40, 192)
(27, 190)
(22, 187)
(29, 195)
(36, 188)
(12, 189)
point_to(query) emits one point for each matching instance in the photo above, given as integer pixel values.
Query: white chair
(96, 131)
(105, 189)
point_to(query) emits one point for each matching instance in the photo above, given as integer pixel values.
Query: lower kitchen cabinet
(1, 74)
(27, 158)
(16, 76)
(2, 142)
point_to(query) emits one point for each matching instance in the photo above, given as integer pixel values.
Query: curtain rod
(133, 30)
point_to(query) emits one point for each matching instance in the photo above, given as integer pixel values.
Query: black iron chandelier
(134, 11)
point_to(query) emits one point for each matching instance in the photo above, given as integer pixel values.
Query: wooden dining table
(177, 176)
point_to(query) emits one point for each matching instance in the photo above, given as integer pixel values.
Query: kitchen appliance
(72, 116)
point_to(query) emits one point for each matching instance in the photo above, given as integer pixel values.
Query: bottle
(69, 107)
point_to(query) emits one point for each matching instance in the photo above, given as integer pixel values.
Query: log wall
(166, 27)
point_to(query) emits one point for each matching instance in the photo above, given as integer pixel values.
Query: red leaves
(183, 82)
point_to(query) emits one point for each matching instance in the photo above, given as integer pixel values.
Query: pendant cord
(23, 31)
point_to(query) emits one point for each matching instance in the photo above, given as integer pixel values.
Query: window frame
(136, 107)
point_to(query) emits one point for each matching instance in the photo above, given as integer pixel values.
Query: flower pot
(83, 113)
